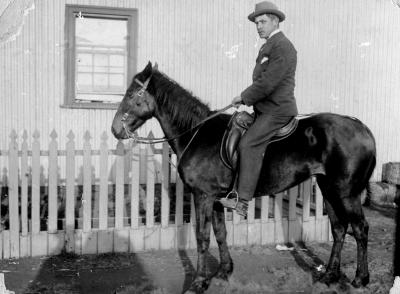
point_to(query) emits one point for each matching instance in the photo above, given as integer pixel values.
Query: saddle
(237, 126)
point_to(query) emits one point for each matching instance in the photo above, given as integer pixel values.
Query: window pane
(101, 69)
(116, 81)
(117, 60)
(84, 59)
(100, 81)
(100, 60)
(85, 80)
(101, 51)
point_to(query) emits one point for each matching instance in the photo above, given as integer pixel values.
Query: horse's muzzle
(117, 128)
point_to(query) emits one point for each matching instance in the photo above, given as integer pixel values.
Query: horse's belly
(279, 175)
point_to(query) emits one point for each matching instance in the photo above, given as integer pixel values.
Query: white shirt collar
(273, 33)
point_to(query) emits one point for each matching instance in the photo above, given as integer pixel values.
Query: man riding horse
(339, 150)
(272, 96)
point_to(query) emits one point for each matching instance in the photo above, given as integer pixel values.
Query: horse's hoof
(224, 272)
(329, 278)
(360, 282)
(198, 286)
(222, 275)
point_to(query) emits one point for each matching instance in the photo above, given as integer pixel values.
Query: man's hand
(237, 101)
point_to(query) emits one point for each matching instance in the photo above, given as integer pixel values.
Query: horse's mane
(185, 109)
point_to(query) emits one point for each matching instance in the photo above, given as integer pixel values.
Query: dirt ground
(258, 269)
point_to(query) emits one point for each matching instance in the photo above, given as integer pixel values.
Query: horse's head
(136, 107)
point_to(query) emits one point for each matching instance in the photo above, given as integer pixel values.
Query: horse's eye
(140, 93)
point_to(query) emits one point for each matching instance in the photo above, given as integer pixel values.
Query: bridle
(125, 116)
(144, 140)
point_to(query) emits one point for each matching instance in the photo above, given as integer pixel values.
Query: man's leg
(251, 154)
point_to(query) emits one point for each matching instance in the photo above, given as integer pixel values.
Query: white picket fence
(135, 216)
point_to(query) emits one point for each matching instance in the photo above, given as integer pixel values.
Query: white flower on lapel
(264, 59)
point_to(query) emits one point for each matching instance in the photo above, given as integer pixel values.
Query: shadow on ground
(104, 273)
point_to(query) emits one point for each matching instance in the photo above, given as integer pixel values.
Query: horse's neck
(177, 114)
(178, 135)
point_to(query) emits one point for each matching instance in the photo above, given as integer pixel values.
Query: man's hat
(266, 7)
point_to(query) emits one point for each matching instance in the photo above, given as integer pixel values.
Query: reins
(144, 140)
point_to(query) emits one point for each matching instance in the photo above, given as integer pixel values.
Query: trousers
(252, 147)
(396, 258)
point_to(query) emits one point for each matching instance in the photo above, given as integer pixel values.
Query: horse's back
(340, 129)
(325, 143)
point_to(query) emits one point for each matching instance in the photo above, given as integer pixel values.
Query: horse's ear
(147, 70)
(148, 67)
(155, 67)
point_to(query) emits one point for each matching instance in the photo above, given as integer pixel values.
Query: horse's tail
(370, 158)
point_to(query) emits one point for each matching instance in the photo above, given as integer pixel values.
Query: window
(100, 55)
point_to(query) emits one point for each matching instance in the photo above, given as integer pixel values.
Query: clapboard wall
(348, 62)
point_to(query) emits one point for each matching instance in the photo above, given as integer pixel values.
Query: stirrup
(236, 197)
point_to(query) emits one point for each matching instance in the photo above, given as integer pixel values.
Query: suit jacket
(272, 91)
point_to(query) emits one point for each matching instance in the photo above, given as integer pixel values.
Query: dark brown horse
(339, 150)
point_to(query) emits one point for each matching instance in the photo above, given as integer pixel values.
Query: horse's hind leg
(218, 221)
(360, 230)
(339, 226)
(344, 206)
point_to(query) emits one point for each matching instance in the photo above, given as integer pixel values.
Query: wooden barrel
(391, 173)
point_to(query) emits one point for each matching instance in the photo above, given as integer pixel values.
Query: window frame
(129, 14)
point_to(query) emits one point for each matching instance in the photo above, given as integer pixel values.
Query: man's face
(265, 25)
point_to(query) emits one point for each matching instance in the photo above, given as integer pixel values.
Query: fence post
(24, 184)
(251, 210)
(89, 237)
(168, 233)
(267, 224)
(39, 239)
(13, 195)
(152, 234)
(294, 222)
(25, 238)
(165, 186)
(179, 200)
(308, 233)
(121, 236)
(119, 186)
(322, 221)
(135, 176)
(105, 237)
(55, 239)
(280, 223)
(52, 196)
(70, 193)
(150, 187)
(87, 184)
(136, 235)
(253, 226)
(103, 196)
(36, 183)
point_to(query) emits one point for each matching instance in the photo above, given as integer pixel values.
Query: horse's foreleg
(218, 221)
(204, 209)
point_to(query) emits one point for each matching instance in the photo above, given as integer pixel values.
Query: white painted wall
(348, 62)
